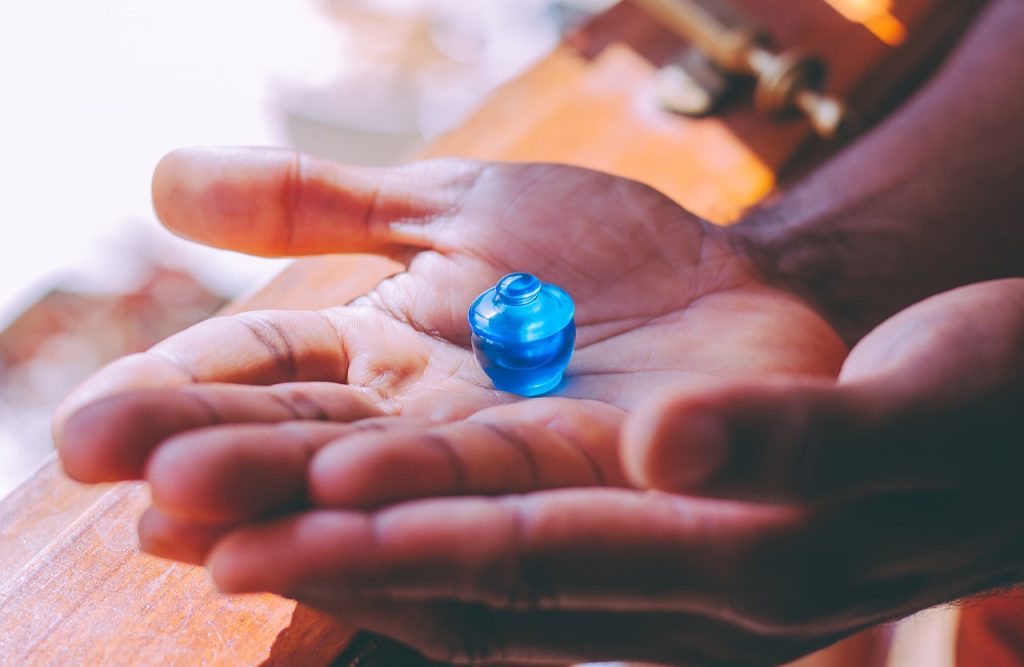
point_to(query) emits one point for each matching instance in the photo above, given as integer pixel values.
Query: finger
(917, 399)
(111, 439)
(174, 539)
(237, 472)
(450, 631)
(801, 440)
(604, 548)
(463, 633)
(263, 347)
(739, 439)
(277, 202)
(542, 444)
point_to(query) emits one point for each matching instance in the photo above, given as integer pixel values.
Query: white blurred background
(92, 94)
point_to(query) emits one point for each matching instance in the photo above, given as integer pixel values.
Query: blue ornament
(523, 334)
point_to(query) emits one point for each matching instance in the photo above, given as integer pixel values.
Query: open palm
(242, 419)
(662, 299)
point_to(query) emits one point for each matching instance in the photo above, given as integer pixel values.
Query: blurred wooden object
(990, 631)
(74, 590)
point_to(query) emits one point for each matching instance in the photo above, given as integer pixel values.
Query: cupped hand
(759, 519)
(905, 476)
(378, 401)
(662, 300)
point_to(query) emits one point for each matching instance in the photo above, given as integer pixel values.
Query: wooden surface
(74, 590)
(135, 610)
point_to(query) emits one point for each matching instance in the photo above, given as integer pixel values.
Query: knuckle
(302, 404)
(292, 195)
(527, 582)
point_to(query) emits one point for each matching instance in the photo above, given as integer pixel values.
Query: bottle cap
(519, 309)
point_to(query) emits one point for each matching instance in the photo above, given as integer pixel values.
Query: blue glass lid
(520, 308)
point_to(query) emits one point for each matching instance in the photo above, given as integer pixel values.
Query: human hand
(784, 515)
(661, 300)
(907, 470)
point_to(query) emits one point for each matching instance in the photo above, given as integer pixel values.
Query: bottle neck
(518, 289)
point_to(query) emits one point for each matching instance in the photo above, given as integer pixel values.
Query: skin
(744, 564)
(401, 354)
(403, 349)
(702, 490)
(928, 201)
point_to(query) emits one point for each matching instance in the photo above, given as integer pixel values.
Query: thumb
(276, 202)
(753, 440)
(931, 399)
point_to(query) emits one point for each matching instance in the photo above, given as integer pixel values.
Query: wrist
(849, 274)
(859, 263)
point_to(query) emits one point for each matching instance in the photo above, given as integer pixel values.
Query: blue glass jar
(523, 334)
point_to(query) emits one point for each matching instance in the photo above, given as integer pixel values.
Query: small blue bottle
(523, 334)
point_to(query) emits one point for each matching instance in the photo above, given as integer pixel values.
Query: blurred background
(93, 94)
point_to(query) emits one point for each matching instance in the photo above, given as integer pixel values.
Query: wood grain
(37, 512)
(127, 608)
(73, 588)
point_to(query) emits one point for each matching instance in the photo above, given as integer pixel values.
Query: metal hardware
(737, 46)
(692, 85)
